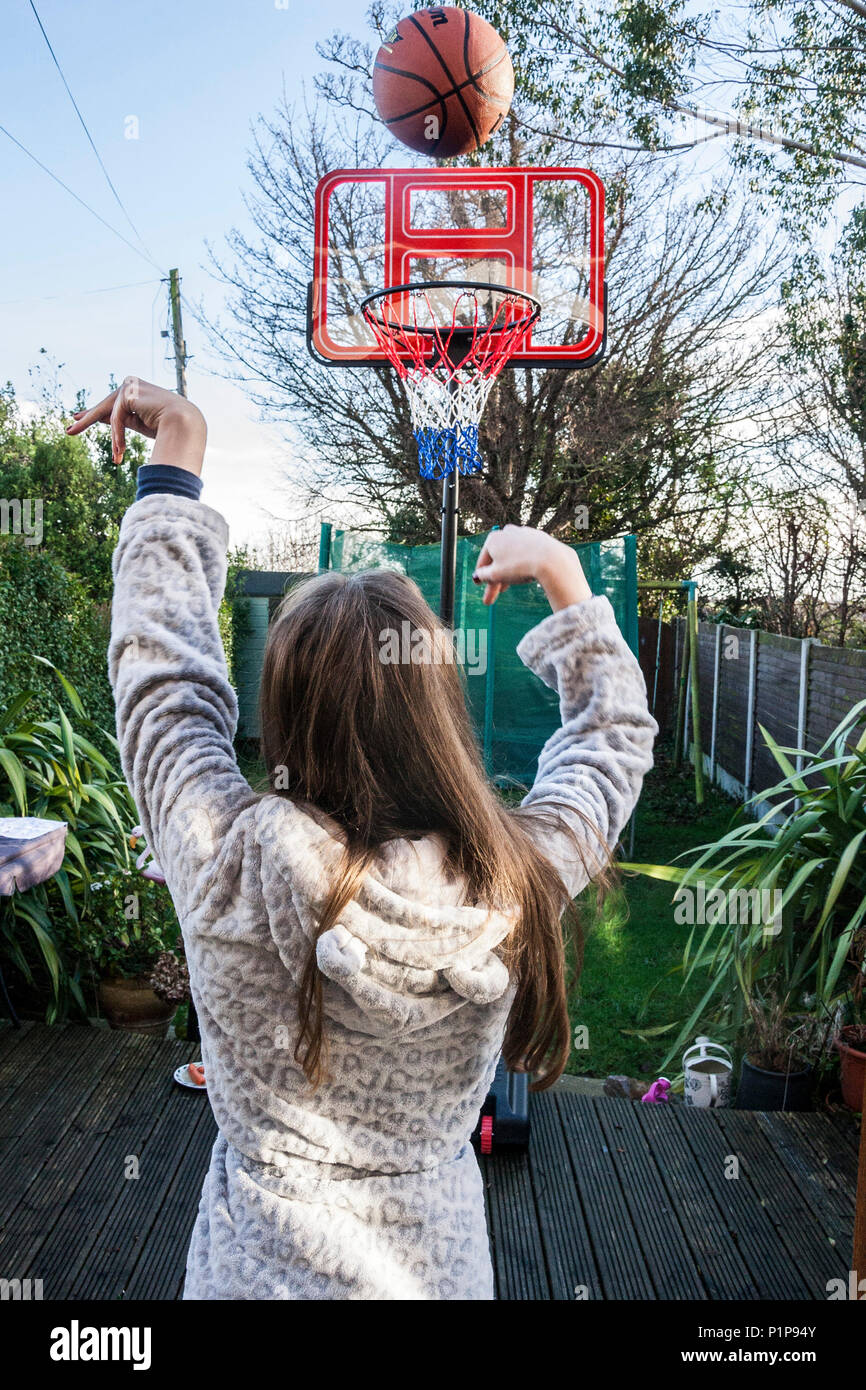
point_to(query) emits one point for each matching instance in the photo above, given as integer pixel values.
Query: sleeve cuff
(164, 477)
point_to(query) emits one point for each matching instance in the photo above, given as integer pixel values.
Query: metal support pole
(803, 705)
(490, 685)
(658, 655)
(448, 562)
(450, 517)
(679, 736)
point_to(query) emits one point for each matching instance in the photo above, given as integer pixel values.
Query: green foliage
(633, 68)
(53, 769)
(131, 920)
(54, 594)
(808, 849)
(83, 494)
(46, 611)
(234, 610)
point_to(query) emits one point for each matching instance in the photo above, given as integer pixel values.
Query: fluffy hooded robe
(368, 1187)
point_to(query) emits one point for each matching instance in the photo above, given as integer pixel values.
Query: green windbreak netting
(513, 712)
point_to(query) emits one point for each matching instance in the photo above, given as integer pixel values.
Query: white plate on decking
(183, 1078)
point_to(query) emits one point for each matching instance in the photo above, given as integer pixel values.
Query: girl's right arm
(591, 769)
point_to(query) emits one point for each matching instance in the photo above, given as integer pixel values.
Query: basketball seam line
(441, 97)
(483, 71)
(437, 97)
(447, 71)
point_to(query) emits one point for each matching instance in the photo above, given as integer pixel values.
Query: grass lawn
(637, 942)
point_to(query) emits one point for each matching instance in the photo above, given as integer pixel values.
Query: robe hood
(407, 950)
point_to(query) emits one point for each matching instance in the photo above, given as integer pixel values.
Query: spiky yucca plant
(806, 853)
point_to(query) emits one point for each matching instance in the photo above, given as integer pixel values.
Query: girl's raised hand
(519, 554)
(175, 423)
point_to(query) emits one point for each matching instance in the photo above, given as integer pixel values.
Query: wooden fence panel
(835, 680)
(777, 703)
(731, 735)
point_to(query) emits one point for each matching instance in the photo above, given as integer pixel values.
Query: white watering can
(707, 1068)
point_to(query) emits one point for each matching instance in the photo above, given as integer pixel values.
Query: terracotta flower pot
(853, 1065)
(132, 1006)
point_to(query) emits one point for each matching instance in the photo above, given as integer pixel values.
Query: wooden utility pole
(177, 331)
(193, 1032)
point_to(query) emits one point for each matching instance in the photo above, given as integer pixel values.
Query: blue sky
(195, 74)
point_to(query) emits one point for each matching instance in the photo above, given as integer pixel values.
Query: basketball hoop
(449, 340)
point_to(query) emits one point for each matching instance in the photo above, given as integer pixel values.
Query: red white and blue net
(449, 368)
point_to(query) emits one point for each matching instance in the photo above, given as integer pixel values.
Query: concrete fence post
(717, 658)
(750, 713)
(803, 704)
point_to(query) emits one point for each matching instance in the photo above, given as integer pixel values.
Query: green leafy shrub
(44, 609)
(130, 922)
(55, 771)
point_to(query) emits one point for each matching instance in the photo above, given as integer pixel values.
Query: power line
(144, 256)
(108, 180)
(74, 294)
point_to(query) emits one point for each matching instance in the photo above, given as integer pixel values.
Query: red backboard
(538, 230)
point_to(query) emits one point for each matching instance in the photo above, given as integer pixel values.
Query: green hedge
(44, 611)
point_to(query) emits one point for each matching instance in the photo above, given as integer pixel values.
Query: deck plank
(137, 1212)
(824, 1194)
(24, 1232)
(127, 1109)
(518, 1254)
(714, 1247)
(35, 1120)
(740, 1206)
(666, 1252)
(617, 1250)
(571, 1263)
(160, 1268)
(613, 1200)
(803, 1239)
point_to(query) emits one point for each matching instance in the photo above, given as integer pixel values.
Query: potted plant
(788, 890)
(133, 942)
(775, 1072)
(850, 1041)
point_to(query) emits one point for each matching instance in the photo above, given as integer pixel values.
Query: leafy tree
(826, 356)
(781, 80)
(83, 494)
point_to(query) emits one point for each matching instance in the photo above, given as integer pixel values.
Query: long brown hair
(387, 750)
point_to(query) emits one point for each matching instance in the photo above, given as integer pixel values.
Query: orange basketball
(443, 81)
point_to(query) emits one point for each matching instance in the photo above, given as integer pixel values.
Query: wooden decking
(102, 1159)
